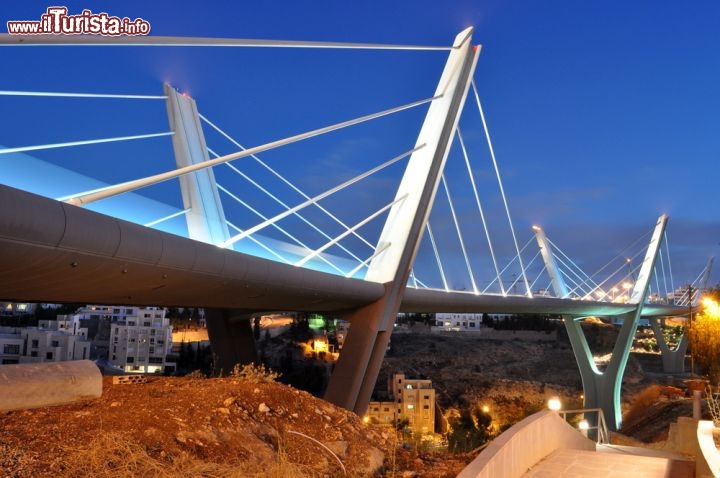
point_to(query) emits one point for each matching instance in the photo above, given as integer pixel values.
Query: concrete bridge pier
(602, 389)
(673, 360)
(231, 338)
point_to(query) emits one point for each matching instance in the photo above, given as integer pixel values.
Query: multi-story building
(43, 345)
(457, 322)
(412, 399)
(11, 347)
(50, 341)
(140, 339)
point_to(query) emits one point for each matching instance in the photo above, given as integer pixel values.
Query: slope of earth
(513, 373)
(201, 427)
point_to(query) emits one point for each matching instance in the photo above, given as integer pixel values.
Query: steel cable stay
(319, 197)
(40, 147)
(268, 249)
(84, 198)
(167, 218)
(480, 208)
(276, 226)
(348, 232)
(283, 204)
(81, 95)
(459, 233)
(504, 269)
(437, 256)
(282, 178)
(502, 189)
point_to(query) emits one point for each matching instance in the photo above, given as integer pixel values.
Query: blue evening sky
(603, 114)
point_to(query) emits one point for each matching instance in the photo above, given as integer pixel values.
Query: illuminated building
(412, 399)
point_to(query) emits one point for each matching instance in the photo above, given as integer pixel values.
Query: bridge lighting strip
(174, 41)
(479, 205)
(283, 179)
(80, 95)
(459, 233)
(143, 182)
(276, 226)
(366, 261)
(319, 197)
(167, 218)
(348, 232)
(279, 201)
(502, 189)
(22, 149)
(437, 256)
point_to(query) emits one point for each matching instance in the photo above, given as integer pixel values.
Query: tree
(470, 429)
(704, 337)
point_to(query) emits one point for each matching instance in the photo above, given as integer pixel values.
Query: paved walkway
(613, 461)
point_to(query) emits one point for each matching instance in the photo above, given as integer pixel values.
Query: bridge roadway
(55, 252)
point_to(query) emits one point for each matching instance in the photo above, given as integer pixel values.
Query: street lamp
(584, 426)
(554, 404)
(627, 286)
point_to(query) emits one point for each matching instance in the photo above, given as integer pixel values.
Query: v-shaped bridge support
(602, 389)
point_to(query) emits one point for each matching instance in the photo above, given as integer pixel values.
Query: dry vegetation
(193, 427)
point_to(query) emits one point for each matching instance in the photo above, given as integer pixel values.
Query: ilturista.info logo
(56, 21)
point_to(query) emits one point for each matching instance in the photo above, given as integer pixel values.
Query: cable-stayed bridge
(303, 245)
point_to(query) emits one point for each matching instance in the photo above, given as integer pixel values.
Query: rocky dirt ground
(233, 427)
(203, 427)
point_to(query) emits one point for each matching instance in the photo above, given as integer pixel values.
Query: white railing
(600, 430)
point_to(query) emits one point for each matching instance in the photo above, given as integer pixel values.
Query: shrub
(254, 373)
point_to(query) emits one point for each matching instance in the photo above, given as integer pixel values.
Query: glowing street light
(627, 286)
(554, 404)
(584, 426)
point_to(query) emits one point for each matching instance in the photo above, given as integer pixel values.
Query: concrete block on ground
(35, 385)
(129, 379)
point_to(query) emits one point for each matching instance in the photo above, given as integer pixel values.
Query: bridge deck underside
(55, 252)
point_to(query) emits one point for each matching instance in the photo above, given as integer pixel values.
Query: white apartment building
(11, 347)
(457, 322)
(140, 338)
(50, 341)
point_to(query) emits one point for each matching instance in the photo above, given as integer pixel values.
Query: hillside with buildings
(475, 373)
